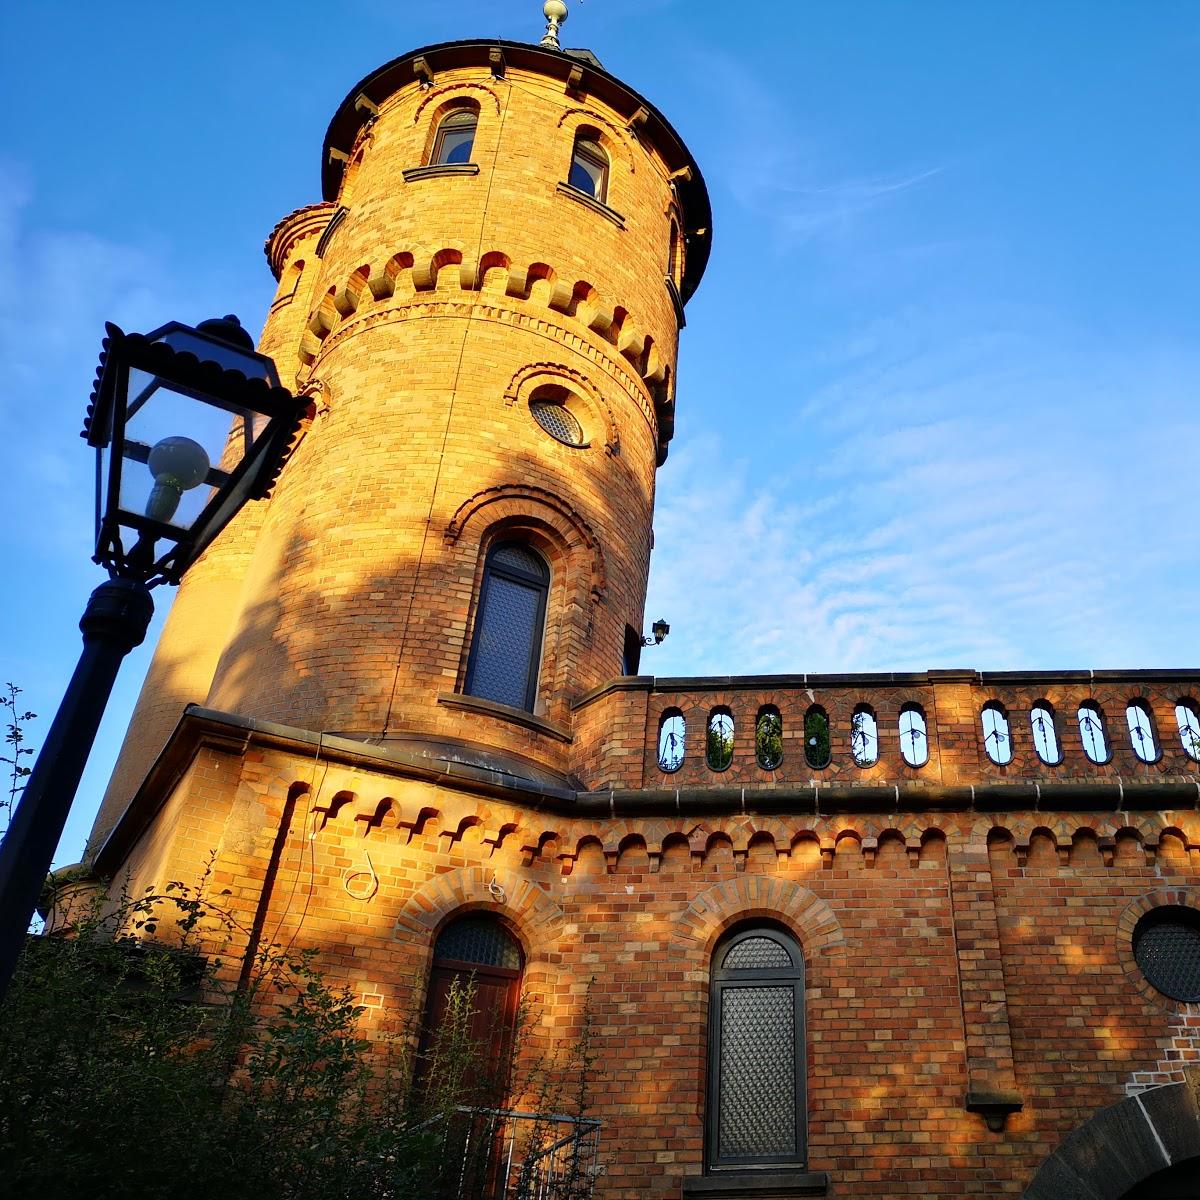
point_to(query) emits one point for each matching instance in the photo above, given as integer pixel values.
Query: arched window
(718, 748)
(768, 738)
(1045, 733)
(506, 650)
(674, 253)
(1187, 716)
(589, 166)
(672, 743)
(1141, 731)
(756, 1102)
(864, 736)
(475, 958)
(914, 741)
(1091, 732)
(631, 651)
(455, 137)
(817, 750)
(997, 736)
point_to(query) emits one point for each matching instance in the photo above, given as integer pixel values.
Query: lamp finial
(555, 12)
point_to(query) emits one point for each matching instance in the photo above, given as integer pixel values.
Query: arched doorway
(1180, 1182)
(477, 959)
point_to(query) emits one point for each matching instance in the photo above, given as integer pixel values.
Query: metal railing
(505, 1154)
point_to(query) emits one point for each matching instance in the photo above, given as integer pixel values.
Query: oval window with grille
(1166, 945)
(557, 420)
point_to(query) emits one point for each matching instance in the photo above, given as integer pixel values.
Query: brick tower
(927, 934)
(485, 310)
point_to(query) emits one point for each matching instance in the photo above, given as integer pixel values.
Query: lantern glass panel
(227, 355)
(177, 448)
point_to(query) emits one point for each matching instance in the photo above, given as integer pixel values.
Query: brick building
(851, 935)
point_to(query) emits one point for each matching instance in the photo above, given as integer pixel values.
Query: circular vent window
(1166, 945)
(558, 421)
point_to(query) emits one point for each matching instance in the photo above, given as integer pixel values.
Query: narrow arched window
(1044, 727)
(718, 748)
(589, 167)
(756, 1087)
(1187, 717)
(474, 988)
(817, 751)
(1091, 732)
(914, 740)
(455, 137)
(673, 253)
(631, 651)
(768, 738)
(1141, 731)
(997, 736)
(506, 650)
(864, 736)
(671, 740)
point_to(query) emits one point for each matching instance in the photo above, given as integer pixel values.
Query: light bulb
(178, 464)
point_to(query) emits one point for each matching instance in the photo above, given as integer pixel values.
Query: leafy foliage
(127, 1068)
(16, 751)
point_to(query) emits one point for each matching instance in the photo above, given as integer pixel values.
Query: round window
(1166, 945)
(558, 421)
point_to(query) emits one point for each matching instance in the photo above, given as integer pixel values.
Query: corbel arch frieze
(518, 500)
(535, 374)
(451, 91)
(574, 117)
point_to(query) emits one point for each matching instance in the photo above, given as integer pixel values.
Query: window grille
(480, 940)
(558, 421)
(756, 1109)
(506, 649)
(1166, 945)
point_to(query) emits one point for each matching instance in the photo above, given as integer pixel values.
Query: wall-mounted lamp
(658, 633)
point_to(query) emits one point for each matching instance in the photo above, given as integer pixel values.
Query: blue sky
(938, 394)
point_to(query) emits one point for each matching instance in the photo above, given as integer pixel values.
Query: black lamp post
(188, 425)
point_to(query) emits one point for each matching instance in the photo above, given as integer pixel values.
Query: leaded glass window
(506, 650)
(756, 1101)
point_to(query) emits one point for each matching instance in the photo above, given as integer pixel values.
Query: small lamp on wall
(658, 633)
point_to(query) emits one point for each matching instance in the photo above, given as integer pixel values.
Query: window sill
(777, 1185)
(434, 170)
(565, 189)
(505, 712)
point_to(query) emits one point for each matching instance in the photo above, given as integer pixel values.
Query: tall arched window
(455, 137)
(506, 650)
(756, 1102)
(718, 749)
(1141, 731)
(674, 254)
(864, 736)
(817, 750)
(768, 737)
(1044, 726)
(997, 736)
(476, 957)
(914, 741)
(1187, 717)
(589, 166)
(1092, 733)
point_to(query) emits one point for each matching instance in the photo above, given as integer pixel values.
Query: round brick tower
(485, 311)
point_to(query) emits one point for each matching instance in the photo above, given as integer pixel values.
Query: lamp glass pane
(231, 358)
(163, 475)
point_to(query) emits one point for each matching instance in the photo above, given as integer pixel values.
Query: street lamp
(188, 425)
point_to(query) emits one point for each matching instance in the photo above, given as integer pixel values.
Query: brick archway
(537, 918)
(1125, 1146)
(714, 910)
